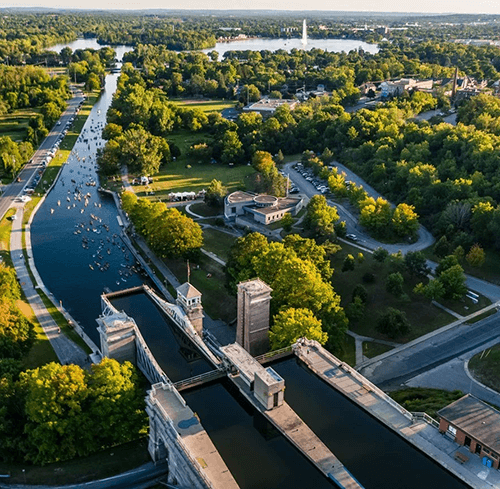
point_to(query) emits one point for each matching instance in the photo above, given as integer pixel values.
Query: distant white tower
(304, 33)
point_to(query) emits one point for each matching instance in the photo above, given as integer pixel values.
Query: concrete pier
(264, 389)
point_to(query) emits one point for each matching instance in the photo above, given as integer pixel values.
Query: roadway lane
(399, 367)
(14, 189)
(425, 238)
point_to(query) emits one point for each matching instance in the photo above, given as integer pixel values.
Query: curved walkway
(66, 350)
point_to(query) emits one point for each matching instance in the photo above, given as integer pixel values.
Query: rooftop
(240, 196)
(475, 418)
(188, 291)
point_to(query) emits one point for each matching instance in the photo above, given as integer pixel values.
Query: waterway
(257, 455)
(91, 44)
(178, 358)
(332, 45)
(376, 456)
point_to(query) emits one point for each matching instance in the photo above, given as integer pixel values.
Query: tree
(453, 280)
(394, 284)
(355, 310)
(433, 291)
(405, 220)
(142, 152)
(320, 217)
(287, 222)
(476, 256)
(393, 323)
(215, 193)
(361, 292)
(380, 254)
(348, 263)
(291, 324)
(416, 263)
(232, 148)
(447, 262)
(442, 247)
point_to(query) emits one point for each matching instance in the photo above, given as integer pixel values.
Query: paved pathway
(448, 310)
(66, 350)
(360, 358)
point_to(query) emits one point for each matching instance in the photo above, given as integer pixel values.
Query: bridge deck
(297, 432)
(196, 440)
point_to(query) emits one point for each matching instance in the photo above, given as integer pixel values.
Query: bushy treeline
(59, 412)
(168, 232)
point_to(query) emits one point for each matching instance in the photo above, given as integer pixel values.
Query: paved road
(397, 368)
(133, 479)
(454, 375)
(15, 188)
(425, 238)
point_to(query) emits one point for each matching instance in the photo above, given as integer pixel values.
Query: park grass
(422, 315)
(485, 367)
(5, 230)
(421, 399)
(465, 306)
(41, 352)
(482, 316)
(372, 350)
(100, 465)
(217, 301)
(15, 124)
(206, 106)
(218, 242)
(205, 210)
(348, 353)
(177, 177)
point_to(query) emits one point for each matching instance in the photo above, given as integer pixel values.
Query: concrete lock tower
(189, 298)
(252, 332)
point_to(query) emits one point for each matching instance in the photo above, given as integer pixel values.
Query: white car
(352, 237)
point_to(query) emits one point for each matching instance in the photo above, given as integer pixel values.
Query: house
(473, 424)
(268, 106)
(397, 88)
(259, 208)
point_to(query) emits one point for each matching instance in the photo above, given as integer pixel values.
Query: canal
(78, 253)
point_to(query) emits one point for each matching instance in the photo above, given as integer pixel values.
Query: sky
(422, 6)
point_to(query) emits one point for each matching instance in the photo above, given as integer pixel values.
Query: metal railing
(421, 416)
(199, 379)
(272, 354)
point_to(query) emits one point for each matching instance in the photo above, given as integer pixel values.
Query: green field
(15, 125)
(485, 367)
(423, 316)
(217, 242)
(177, 177)
(206, 106)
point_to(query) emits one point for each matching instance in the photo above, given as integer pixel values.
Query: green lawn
(348, 354)
(5, 229)
(485, 367)
(206, 106)
(423, 316)
(41, 351)
(217, 242)
(15, 125)
(100, 465)
(176, 177)
(372, 350)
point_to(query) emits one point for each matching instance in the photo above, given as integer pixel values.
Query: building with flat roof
(260, 208)
(475, 425)
(268, 106)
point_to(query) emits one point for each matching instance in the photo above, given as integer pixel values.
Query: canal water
(257, 455)
(376, 456)
(177, 357)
